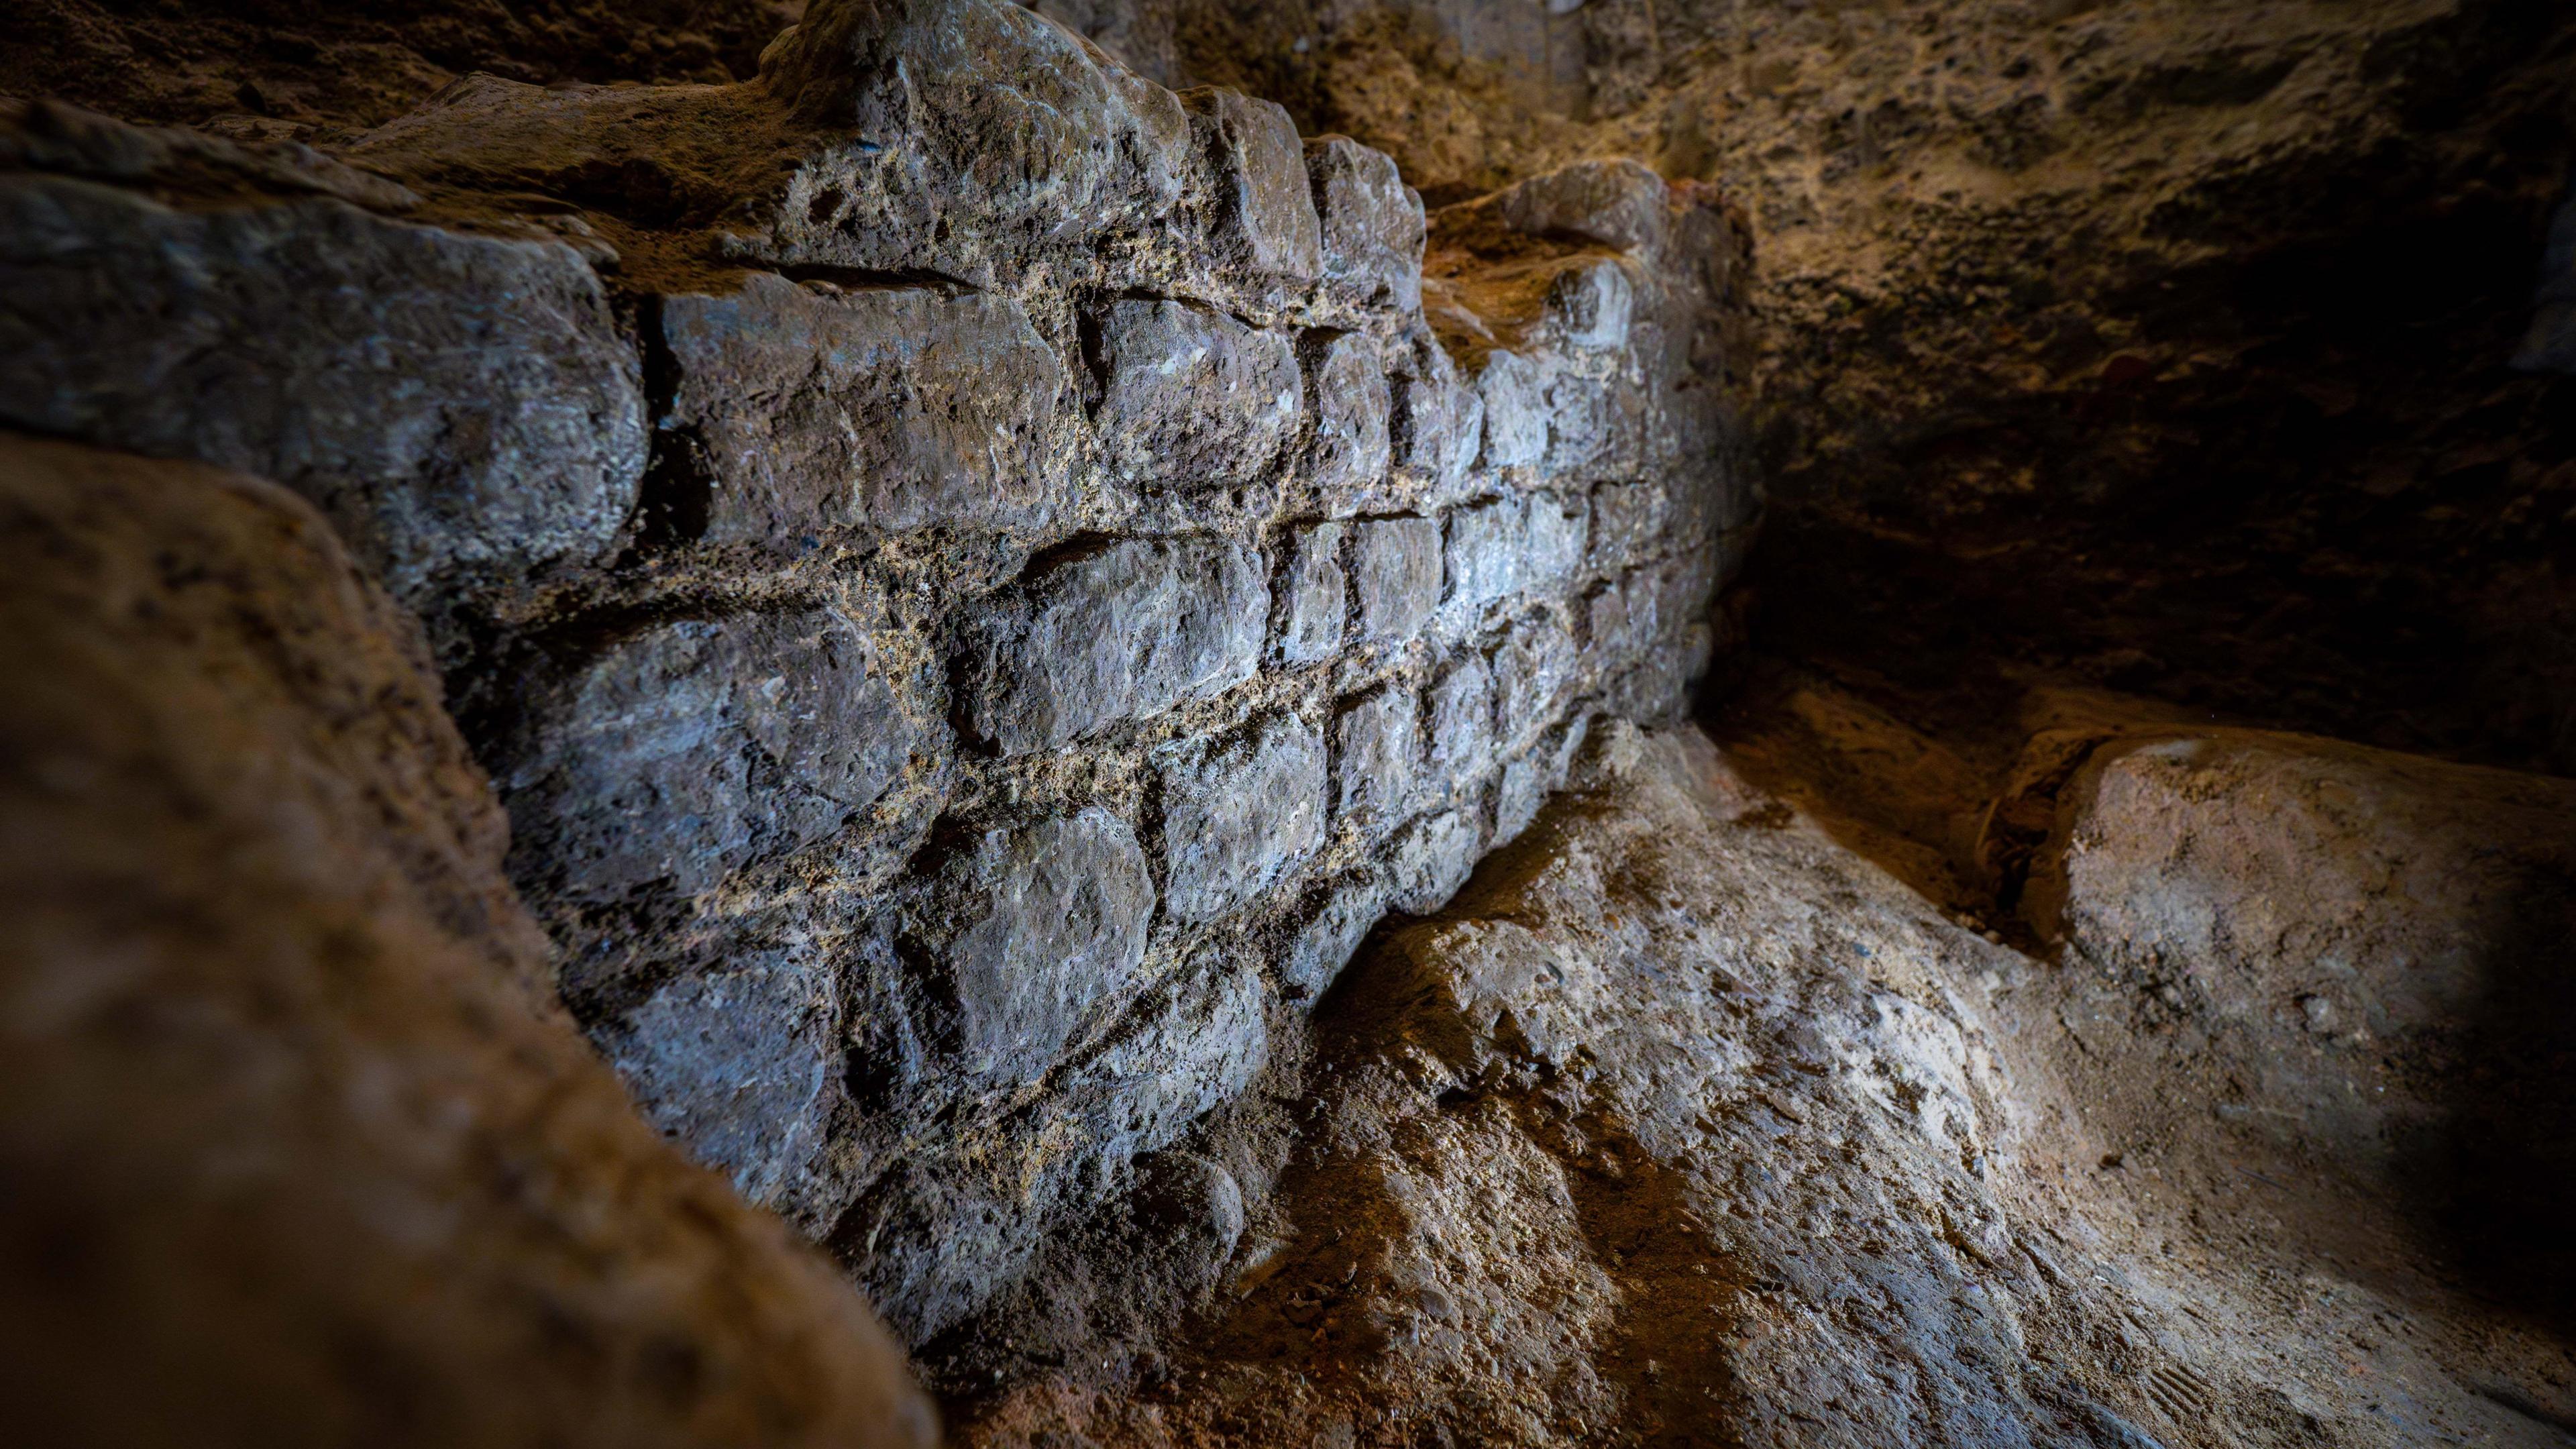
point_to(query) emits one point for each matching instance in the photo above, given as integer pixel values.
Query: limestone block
(1332, 931)
(1484, 553)
(809, 406)
(1237, 816)
(980, 126)
(1436, 423)
(1313, 595)
(688, 748)
(1532, 668)
(1460, 716)
(1514, 390)
(738, 1062)
(1377, 751)
(1265, 223)
(1350, 448)
(1618, 203)
(1627, 520)
(1035, 928)
(1432, 859)
(1395, 576)
(1371, 225)
(1193, 1042)
(1552, 549)
(462, 407)
(1591, 303)
(1191, 396)
(1124, 630)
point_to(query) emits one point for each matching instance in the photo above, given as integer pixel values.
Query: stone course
(977, 586)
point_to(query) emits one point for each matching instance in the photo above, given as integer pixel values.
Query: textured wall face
(1086, 569)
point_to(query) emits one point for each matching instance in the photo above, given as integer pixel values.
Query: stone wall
(977, 578)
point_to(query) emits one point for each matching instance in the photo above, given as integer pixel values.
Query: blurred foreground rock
(295, 1145)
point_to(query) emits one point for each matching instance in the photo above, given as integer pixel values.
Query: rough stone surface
(995, 398)
(1395, 576)
(1313, 595)
(1237, 816)
(1458, 712)
(285, 1086)
(683, 751)
(1371, 224)
(2351, 947)
(804, 408)
(1192, 396)
(1686, 1125)
(1040, 925)
(1265, 206)
(460, 406)
(1129, 630)
(1351, 402)
(1377, 750)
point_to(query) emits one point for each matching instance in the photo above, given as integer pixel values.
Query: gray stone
(1627, 521)
(689, 748)
(1190, 395)
(1193, 1042)
(1432, 859)
(288, 1085)
(462, 407)
(981, 127)
(1517, 799)
(1236, 817)
(1531, 670)
(1265, 223)
(809, 406)
(1395, 576)
(1192, 1206)
(1372, 225)
(1325, 943)
(1514, 390)
(1125, 630)
(1592, 419)
(1436, 423)
(1313, 597)
(1590, 304)
(1377, 750)
(1609, 625)
(738, 1064)
(1461, 720)
(1552, 553)
(1619, 203)
(1350, 447)
(1484, 553)
(1038, 927)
